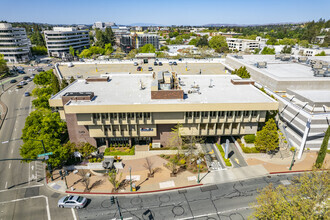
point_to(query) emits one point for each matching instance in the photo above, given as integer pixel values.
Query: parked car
(26, 94)
(26, 77)
(77, 202)
(20, 68)
(174, 63)
(139, 68)
(150, 68)
(40, 70)
(170, 63)
(21, 71)
(155, 63)
(49, 64)
(13, 81)
(18, 86)
(135, 64)
(29, 80)
(160, 64)
(23, 83)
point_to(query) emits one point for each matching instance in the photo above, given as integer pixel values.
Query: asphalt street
(23, 194)
(234, 155)
(220, 201)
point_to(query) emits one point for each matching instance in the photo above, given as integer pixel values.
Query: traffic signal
(112, 199)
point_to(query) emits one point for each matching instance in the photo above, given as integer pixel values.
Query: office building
(60, 39)
(137, 40)
(143, 108)
(301, 85)
(14, 44)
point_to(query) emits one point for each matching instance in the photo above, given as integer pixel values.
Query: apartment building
(137, 40)
(143, 108)
(60, 39)
(14, 44)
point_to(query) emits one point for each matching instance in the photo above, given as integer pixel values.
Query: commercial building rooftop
(128, 89)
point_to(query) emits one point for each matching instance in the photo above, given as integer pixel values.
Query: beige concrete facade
(102, 122)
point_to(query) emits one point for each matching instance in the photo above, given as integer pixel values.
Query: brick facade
(78, 133)
(167, 94)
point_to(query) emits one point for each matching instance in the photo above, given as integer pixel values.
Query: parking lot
(86, 70)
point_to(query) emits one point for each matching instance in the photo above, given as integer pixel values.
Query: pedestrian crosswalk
(39, 172)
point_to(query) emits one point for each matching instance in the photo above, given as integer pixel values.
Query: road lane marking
(74, 214)
(12, 151)
(5, 142)
(9, 165)
(29, 173)
(33, 197)
(37, 185)
(6, 185)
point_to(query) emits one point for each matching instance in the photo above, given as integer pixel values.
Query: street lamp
(49, 166)
(199, 161)
(292, 162)
(130, 177)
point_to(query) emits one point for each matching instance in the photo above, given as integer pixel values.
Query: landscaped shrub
(128, 151)
(182, 161)
(323, 150)
(249, 138)
(162, 155)
(222, 152)
(249, 150)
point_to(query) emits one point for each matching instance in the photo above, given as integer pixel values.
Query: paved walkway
(162, 180)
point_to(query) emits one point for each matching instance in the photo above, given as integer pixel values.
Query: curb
(295, 171)
(133, 193)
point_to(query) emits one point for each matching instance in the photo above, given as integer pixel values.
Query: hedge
(249, 138)
(222, 152)
(107, 152)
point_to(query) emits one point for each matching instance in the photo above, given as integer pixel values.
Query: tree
(101, 39)
(71, 51)
(256, 51)
(132, 54)
(305, 198)
(176, 139)
(164, 48)
(219, 43)
(149, 166)
(147, 48)
(304, 43)
(114, 180)
(272, 41)
(321, 54)
(64, 83)
(286, 50)
(287, 42)
(39, 50)
(193, 41)
(110, 36)
(44, 125)
(85, 180)
(203, 41)
(268, 50)
(4, 70)
(86, 149)
(267, 139)
(323, 149)
(43, 78)
(241, 72)
(72, 80)
(55, 84)
(108, 49)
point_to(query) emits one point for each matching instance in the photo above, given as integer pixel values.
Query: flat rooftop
(317, 97)
(125, 89)
(284, 70)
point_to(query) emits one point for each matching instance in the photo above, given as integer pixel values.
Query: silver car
(77, 202)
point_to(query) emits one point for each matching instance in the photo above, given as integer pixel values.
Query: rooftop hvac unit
(278, 56)
(302, 59)
(286, 58)
(261, 64)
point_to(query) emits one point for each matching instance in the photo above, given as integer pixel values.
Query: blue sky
(165, 12)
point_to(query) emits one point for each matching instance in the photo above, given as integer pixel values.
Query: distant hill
(243, 25)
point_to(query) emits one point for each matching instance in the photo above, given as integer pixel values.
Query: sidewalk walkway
(163, 181)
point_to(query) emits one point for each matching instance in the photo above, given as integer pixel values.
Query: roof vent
(142, 86)
(211, 85)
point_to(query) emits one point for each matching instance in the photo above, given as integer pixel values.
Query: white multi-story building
(103, 25)
(60, 39)
(313, 51)
(14, 44)
(245, 44)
